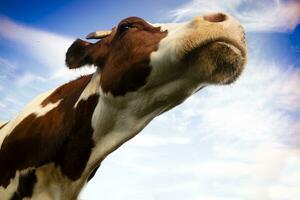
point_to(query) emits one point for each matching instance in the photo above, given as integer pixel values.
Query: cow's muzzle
(216, 48)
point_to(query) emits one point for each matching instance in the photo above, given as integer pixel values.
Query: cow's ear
(78, 54)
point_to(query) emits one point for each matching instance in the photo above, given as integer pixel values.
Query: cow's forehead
(134, 20)
(127, 64)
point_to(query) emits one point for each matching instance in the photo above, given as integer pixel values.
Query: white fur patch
(91, 88)
(5, 194)
(51, 185)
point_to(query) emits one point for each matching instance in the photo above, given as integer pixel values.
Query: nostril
(218, 17)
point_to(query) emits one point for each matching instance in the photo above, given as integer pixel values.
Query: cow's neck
(115, 120)
(113, 126)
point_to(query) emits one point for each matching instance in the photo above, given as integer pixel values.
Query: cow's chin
(217, 62)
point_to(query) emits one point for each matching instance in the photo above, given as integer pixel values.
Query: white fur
(52, 184)
(11, 188)
(91, 88)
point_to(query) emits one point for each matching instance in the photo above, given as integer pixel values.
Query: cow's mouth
(219, 61)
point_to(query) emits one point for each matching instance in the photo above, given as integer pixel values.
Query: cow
(56, 144)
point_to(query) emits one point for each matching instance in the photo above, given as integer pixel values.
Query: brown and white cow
(55, 145)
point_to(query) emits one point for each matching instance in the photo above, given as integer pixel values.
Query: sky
(225, 143)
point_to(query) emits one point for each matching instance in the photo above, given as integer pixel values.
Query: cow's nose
(215, 18)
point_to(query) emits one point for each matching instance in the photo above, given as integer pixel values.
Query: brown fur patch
(72, 89)
(127, 65)
(63, 135)
(123, 56)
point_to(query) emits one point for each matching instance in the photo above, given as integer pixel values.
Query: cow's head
(166, 61)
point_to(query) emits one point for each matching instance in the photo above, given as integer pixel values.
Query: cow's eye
(126, 27)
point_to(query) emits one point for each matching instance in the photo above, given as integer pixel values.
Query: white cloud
(2, 105)
(151, 141)
(28, 78)
(6, 64)
(46, 47)
(264, 15)
(7, 69)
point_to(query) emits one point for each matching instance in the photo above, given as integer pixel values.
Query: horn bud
(98, 35)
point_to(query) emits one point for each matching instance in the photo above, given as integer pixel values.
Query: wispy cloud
(6, 64)
(46, 47)
(150, 141)
(264, 15)
(6, 70)
(28, 78)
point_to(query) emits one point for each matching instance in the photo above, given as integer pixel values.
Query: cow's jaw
(216, 62)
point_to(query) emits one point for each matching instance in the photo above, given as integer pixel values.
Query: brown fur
(72, 89)
(123, 56)
(63, 135)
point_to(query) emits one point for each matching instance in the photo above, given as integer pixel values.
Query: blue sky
(229, 143)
